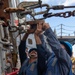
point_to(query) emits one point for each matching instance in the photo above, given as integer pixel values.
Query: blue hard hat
(68, 47)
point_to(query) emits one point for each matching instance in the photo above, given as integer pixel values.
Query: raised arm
(60, 53)
(22, 48)
(41, 52)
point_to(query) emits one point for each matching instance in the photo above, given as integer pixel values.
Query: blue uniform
(35, 68)
(55, 62)
(28, 69)
(58, 61)
(22, 53)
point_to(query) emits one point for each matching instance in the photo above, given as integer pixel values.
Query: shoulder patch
(54, 61)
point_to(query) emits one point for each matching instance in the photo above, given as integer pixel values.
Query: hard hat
(33, 49)
(68, 47)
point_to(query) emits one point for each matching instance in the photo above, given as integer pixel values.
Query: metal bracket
(29, 9)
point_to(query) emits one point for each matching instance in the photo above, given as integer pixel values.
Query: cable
(58, 28)
(67, 29)
(62, 25)
(65, 33)
(55, 26)
(62, 33)
(58, 33)
(62, 28)
(68, 26)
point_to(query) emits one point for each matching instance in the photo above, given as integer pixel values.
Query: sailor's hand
(39, 29)
(29, 30)
(45, 26)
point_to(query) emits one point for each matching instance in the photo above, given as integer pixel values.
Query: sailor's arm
(22, 48)
(60, 53)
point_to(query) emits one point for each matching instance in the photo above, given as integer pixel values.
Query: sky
(55, 22)
(68, 24)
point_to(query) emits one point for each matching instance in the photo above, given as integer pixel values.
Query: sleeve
(41, 66)
(22, 53)
(43, 55)
(48, 50)
(60, 53)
